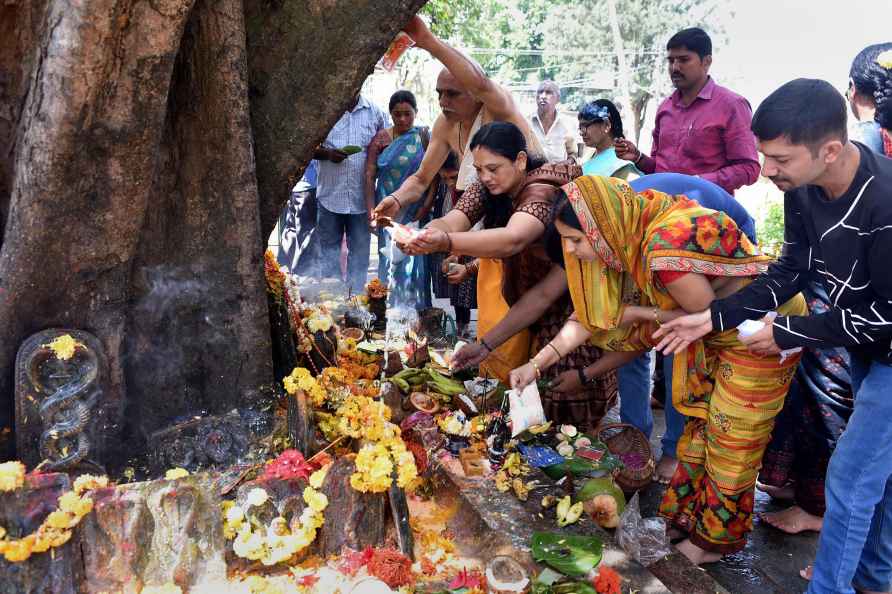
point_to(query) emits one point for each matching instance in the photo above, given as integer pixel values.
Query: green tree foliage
(524, 41)
(771, 231)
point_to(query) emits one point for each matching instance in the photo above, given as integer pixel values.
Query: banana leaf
(573, 588)
(572, 555)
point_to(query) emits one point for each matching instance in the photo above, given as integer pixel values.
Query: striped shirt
(845, 245)
(339, 186)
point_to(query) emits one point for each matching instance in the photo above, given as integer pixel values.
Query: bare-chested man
(468, 99)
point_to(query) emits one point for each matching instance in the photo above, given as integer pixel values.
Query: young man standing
(702, 128)
(837, 230)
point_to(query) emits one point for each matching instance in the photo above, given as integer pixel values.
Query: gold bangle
(536, 367)
(657, 317)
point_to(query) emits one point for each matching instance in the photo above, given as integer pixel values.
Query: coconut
(423, 402)
(603, 500)
(603, 509)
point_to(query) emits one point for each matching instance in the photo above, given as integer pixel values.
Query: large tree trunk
(306, 60)
(128, 131)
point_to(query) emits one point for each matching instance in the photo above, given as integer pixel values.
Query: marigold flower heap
(12, 476)
(301, 379)
(64, 346)
(363, 418)
(376, 289)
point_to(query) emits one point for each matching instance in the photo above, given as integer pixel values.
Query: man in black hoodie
(838, 231)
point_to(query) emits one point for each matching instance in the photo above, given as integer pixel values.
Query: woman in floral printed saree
(635, 261)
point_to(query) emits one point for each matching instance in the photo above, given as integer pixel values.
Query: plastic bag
(644, 539)
(526, 409)
(749, 327)
(403, 233)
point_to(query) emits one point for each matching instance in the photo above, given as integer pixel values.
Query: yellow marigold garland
(361, 417)
(302, 379)
(275, 278)
(55, 530)
(276, 542)
(375, 464)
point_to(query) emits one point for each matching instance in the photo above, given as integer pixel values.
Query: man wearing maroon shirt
(702, 128)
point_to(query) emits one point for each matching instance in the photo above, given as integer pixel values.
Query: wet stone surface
(771, 561)
(21, 512)
(154, 533)
(203, 442)
(505, 514)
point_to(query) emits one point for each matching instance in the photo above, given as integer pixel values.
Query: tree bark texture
(306, 60)
(134, 206)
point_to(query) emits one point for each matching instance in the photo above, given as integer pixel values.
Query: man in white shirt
(557, 138)
(340, 197)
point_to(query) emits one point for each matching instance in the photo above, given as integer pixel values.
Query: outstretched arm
(501, 242)
(413, 188)
(522, 314)
(467, 72)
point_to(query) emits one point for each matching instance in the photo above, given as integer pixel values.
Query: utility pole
(625, 88)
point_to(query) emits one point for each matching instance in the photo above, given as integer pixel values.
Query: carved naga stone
(57, 373)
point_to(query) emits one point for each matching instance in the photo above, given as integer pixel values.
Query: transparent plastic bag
(644, 539)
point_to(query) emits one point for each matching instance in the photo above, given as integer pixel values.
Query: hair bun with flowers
(884, 59)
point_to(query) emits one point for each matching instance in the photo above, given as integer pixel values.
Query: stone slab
(505, 514)
(154, 533)
(57, 571)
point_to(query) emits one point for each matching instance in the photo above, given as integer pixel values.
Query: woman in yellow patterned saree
(635, 261)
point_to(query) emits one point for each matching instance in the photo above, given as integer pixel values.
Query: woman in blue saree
(394, 154)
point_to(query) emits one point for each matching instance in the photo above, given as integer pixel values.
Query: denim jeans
(855, 546)
(330, 228)
(674, 420)
(634, 392)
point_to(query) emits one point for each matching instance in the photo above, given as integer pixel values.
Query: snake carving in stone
(66, 409)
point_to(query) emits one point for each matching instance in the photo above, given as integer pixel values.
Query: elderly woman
(513, 197)
(600, 125)
(394, 154)
(635, 261)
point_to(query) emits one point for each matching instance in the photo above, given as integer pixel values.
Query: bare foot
(785, 492)
(665, 469)
(793, 520)
(806, 573)
(695, 554)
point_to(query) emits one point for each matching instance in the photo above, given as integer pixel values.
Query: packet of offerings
(749, 327)
(397, 48)
(526, 409)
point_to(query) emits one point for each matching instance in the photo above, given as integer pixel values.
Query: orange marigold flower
(607, 581)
